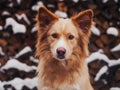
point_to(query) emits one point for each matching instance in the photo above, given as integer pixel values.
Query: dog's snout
(61, 52)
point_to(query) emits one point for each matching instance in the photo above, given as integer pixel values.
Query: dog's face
(62, 38)
(63, 35)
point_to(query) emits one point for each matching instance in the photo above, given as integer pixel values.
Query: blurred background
(18, 38)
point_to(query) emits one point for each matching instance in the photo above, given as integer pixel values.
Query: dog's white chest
(70, 87)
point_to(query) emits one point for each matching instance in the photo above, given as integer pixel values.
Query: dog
(62, 46)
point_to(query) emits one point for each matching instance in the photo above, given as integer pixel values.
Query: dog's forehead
(64, 25)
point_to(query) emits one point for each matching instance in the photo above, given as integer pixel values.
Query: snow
(34, 59)
(18, 83)
(114, 62)
(61, 14)
(10, 5)
(116, 48)
(51, 6)
(1, 52)
(17, 28)
(95, 30)
(18, 1)
(100, 56)
(75, 1)
(115, 88)
(101, 72)
(13, 63)
(37, 6)
(34, 29)
(1, 27)
(97, 56)
(23, 16)
(5, 13)
(116, 1)
(104, 1)
(112, 31)
(23, 51)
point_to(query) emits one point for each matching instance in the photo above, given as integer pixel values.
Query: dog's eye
(54, 35)
(71, 37)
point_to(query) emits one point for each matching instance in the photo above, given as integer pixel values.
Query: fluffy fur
(72, 72)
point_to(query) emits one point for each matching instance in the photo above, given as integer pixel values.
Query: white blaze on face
(61, 43)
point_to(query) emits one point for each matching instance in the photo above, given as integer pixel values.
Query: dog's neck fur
(53, 74)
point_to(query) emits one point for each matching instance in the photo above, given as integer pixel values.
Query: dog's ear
(84, 20)
(45, 17)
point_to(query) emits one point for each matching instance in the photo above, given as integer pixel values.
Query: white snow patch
(112, 31)
(13, 63)
(37, 6)
(23, 16)
(34, 59)
(34, 29)
(104, 1)
(18, 83)
(50, 5)
(75, 1)
(18, 1)
(95, 30)
(1, 28)
(115, 88)
(100, 56)
(116, 1)
(1, 51)
(61, 14)
(23, 51)
(5, 13)
(101, 72)
(116, 48)
(10, 5)
(97, 56)
(114, 62)
(17, 28)
(119, 9)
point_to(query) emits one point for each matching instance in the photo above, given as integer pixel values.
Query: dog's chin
(63, 61)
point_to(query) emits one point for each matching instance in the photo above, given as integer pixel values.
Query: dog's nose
(61, 52)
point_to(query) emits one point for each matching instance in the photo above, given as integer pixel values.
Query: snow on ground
(34, 29)
(23, 51)
(51, 6)
(100, 56)
(16, 27)
(104, 1)
(1, 28)
(61, 14)
(5, 13)
(75, 1)
(23, 16)
(115, 88)
(37, 6)
(116, 48)
(101, 72)
(18, 1)
(1, 51)
(34, 59)
(18, 83)
(112, 31)
(95, 30)
(13, 63)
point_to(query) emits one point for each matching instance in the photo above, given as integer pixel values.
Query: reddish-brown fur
(51, 72)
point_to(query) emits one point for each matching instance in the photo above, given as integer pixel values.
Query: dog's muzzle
(61, 52)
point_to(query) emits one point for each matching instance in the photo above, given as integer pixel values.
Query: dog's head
(60, 38)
